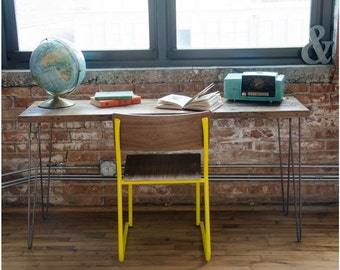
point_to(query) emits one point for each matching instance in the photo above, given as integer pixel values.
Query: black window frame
(163, 51)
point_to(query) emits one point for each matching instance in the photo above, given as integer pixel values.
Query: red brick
(10, 136)
(77, 189)
(332, 145)
(327, 134)
(85, 135)
(38, 92)
(324, 189)
(64, 146)
(12, 125)
(108, 135)
(62, 189)
(261, 133)
(74, 125)
(266, 146)
(320, 98)
(101, 145)
(305, 100)
(83, 157)
(322, 88)
(59, 136)
(16, 92)
(93, 125)
(86, 89)
(10, 114)
(85, 200)
(110, 200)
(93, 189)
(313, 145)
(243, 123)
(7, 102)
(8, 148)
(155, 90)
(228, 133)
(116, 87)
(24, 102)
(297, 88)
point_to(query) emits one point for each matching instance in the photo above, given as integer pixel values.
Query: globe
(58, 67)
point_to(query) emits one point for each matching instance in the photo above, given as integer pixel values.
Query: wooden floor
(243, 238)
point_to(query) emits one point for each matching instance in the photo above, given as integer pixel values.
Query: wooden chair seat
(162, 166)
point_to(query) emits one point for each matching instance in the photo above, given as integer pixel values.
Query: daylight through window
(220, 24)
(92, 25)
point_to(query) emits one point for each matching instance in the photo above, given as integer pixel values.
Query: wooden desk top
(290, 107)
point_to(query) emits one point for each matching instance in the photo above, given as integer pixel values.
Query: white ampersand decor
(320, 48)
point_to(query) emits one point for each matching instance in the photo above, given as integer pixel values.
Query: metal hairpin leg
(298, 205)
(281, 166)
(45, 203)
(291, 175)
(32, 205)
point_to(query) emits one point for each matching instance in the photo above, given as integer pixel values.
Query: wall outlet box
(108, 167)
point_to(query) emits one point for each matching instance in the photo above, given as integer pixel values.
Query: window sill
(294, 74)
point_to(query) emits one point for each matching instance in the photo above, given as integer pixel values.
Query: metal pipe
(96, 177)
(219, 166)
(270, 165)
(213, 177)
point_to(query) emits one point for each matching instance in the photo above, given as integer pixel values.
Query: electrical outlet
(108, 167)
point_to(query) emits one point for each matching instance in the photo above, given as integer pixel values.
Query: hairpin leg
(291, 175)
(32, 198)
(31, 203)
(298, 204)
(281, 166)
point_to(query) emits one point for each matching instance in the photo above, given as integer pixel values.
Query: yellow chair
(162, 149)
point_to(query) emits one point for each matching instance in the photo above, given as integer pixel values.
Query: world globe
(58, 67)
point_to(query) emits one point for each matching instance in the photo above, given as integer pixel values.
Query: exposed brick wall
(234, 141)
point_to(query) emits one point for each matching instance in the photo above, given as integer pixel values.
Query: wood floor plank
(243, 238)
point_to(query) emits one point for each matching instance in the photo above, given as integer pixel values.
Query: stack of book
(114, 99)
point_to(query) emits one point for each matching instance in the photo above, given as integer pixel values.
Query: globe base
(56, 103)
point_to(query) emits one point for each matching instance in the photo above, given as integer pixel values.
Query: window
(151, 33)
(218, 24)
(92, 25)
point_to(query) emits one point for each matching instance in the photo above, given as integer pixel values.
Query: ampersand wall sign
(315, 51)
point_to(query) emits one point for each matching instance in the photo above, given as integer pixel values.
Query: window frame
(163, 51)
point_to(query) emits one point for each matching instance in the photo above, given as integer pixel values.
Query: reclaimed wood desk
(290, 108)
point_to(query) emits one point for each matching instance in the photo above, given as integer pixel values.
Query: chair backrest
(160, 133)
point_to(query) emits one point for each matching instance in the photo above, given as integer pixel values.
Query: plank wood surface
(243, 238)
(290, 107)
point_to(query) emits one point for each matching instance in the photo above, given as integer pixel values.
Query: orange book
(115, 102)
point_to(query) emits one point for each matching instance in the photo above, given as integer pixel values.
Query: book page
(206, 102)
(174, 100)
(203, 91)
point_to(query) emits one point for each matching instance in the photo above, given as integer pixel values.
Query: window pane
(91, 24)
(221, 24)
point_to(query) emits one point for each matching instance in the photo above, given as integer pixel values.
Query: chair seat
(162, 166)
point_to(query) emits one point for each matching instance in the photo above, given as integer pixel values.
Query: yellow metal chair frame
(162, 133)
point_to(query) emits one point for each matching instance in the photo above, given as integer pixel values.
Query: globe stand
(56, 103)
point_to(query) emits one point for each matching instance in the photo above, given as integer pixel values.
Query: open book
(200, 102)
